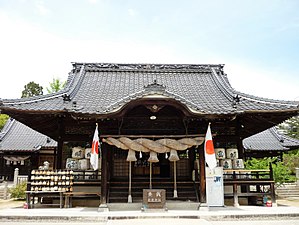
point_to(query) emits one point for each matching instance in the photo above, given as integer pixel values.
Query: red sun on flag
(210, 147)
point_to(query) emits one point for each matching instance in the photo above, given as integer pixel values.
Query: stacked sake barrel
(228, 158)
(80, 159)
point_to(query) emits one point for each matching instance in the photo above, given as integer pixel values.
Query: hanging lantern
(173, 156)
(131, 156)
(153, 157)
(22, 162)
(166, 155)
(15, 162)
(7, 162)
(140, 155)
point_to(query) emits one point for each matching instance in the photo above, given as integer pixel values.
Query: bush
(18, 192)
(291, 160)
(281, 172)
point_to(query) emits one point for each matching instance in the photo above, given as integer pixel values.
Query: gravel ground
(6, 204)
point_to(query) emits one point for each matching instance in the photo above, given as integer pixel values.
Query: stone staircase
(287, 191)
(118, 189)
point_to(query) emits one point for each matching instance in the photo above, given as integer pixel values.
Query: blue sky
(257, 40)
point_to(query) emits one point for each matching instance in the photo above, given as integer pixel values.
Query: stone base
(103, 208)
(147, 210)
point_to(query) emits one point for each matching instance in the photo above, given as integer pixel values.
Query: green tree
(281, 172)
(55, 85)
(291, 127)
(32, 89)
(291, 160)
(3, 119)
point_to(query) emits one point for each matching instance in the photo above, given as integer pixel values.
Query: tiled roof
(16, 136)
(270, 140)
(95, 88)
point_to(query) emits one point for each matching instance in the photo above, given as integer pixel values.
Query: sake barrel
(72, 164)
(231, 153)
(238, 164)
(78, 152)
(220, 153)
(83, 164)
(226, 163)
(87, 153)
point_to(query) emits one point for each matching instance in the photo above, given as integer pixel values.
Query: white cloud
(41, 8)
(132, 12)
(29, 53)
(93, 1)
(268, 83)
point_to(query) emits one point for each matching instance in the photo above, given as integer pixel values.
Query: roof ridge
(7, 127)
(226, 90)
(77, 83)
(149, 66)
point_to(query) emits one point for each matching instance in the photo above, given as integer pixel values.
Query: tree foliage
(3, 119)
(55, 85)
(291, 127)
(18, 192)
(291, 160)
(32, 89)
(281, 172)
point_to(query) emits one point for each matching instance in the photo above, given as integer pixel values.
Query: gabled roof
(16, 136)
(98, 88)
(104, 92)
(270, 140)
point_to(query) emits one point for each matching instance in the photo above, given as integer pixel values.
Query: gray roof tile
(269, 140)
(16, 136)
(97, 88)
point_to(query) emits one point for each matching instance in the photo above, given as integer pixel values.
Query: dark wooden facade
(123, 98)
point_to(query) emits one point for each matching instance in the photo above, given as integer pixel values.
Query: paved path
(13, 211)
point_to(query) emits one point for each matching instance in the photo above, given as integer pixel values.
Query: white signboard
(214, 187)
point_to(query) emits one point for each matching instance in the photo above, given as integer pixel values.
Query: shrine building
(152, 120)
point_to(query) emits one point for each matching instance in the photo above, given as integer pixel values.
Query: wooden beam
(151, 136)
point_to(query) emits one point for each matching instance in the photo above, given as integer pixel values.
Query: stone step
(287, 191)
(118, 190)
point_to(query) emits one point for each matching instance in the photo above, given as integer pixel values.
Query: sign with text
(154, 198)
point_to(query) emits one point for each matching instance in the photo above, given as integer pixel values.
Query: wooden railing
(249, 183)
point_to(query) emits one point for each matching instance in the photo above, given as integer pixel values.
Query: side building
(23, 148)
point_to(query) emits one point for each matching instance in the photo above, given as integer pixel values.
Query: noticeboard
(154, 198)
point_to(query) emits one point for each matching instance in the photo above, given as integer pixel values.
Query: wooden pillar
(104, 174)
(59, 155)
(235, 192)
(55, 158)
(202, 174)
(240, 148)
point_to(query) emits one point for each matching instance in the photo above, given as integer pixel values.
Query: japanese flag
(94, 158)
(209, 150)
